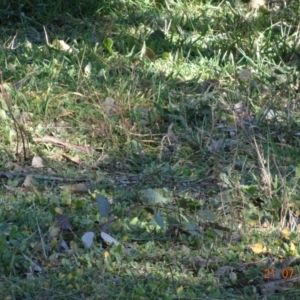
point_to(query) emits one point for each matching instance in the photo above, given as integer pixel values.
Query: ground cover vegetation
(149, 150)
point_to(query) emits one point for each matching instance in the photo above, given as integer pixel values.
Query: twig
(42, 240)
(18, 128)
(44, 177)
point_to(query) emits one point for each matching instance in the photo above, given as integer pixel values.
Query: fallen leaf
(88, 238)
(54, 231)
(292, 248)
(103, 205)
(74, 159)
(33, 265)
(110, 106)
(150, 53)
(179, 289)
(258, 248)
(232, 277)
(170, 135)
(285, 234)
(62, 45)
(109, 239)
(150, 196)
(63, 222)
(147, 52)
(88, 69)
(28, 182)
(58, 210)
(37, 162)
(73, 245)
(64, 245)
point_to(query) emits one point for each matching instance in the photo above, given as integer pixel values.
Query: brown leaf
(170, 135)
(150, 53)
(110, 106)
(28, 182)
(75, 159)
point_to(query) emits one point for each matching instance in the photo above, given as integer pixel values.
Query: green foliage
(179, 120)
(103, 205)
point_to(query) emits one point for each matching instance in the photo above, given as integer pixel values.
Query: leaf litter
(179, 180)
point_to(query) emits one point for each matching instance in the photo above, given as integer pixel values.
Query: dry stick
(42, 240)
(265, 175)
(177, 204)
(43, 177)
(172, 278)
(17, 126)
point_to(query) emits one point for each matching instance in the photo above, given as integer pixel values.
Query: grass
(187, 117)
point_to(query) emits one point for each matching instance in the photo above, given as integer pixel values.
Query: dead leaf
(285, 234)
(37, 162)
(28, 182)
(62, 45)
(63, 222)
(58, 210)
(54, 231)
(75, 188)
(110, 106)
(61, 143)
(64, 113)
(75, 159)
(170, 135)
(150, 53)
(259, 248)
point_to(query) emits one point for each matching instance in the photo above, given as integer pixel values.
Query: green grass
(223, 193)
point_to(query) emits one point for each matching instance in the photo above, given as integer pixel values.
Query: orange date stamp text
(285, 273)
